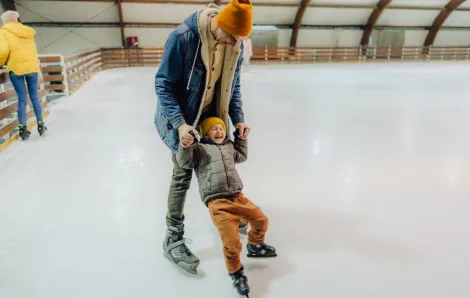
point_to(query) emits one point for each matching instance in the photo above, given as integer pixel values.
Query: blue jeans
(20, 88)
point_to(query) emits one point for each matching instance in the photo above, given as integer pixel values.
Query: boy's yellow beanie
(208, 123)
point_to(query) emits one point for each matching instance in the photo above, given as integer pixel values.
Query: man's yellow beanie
(208, 123)
(236, 18)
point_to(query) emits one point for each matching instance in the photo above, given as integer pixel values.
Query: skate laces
(184, 248)
(180, 243)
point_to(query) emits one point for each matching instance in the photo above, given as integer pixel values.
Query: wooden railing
(115, 58)
(358, 54)
(9, 106)
(81, 67)
(52, 67)
(66, 74)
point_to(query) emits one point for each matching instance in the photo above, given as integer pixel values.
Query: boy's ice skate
(240, 282)
(261, 250)
(176, 251)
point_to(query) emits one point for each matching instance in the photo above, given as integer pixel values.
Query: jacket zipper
(225, 168)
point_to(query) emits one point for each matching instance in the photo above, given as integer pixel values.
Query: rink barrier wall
(358, 54)
(8, 109)
(81, 67)
(64, 75)
(116, 58)
(141, 57)
(52, 67)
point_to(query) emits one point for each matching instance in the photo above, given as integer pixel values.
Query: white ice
(364, 171)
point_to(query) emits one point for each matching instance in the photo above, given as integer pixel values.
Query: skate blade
(246, 295)
(188, 268)
(261, 257)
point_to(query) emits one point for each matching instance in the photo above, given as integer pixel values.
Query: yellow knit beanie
(208, 123)
(236, 18)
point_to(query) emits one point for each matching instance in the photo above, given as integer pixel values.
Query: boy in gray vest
(214, 159)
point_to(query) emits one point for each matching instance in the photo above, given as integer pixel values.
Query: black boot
(41, 128)
(24, 132)
(261, 250)
(240, 282)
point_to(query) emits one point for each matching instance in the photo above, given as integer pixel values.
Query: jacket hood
(20, 30)
(191, 21)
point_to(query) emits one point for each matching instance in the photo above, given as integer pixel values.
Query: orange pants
(226, 214)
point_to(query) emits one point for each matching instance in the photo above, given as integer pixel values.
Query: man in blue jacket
(199, 77)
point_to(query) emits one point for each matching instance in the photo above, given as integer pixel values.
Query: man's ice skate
(176, 251)
(24, 132)
(243, 228)
(240, 282)
(261, 250)
(41, 128)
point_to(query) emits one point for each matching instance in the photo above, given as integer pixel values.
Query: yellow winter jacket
(18, 49)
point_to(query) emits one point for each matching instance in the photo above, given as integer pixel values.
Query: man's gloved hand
(186, 138)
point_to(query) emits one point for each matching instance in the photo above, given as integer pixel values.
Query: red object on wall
(132, 42)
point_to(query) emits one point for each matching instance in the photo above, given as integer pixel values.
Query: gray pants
(180, 182)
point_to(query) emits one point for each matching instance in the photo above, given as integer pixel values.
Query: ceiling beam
(371, 23)
(440, 19)
(298, 21)
(267, 4)
(281, 26)
(121, 22)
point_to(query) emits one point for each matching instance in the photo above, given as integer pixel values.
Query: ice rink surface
(364, 171)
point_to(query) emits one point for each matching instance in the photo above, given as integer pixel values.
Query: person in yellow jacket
(19, 53)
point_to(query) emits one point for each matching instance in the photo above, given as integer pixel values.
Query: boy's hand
(244, 131)
(187, 144)
(186, 138)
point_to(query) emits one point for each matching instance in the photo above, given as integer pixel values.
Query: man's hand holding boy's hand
(186, 138)
(244, 131)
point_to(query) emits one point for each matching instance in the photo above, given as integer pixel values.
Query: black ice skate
(261, 250)
(240, 282)
(24, 132)
(41, 128)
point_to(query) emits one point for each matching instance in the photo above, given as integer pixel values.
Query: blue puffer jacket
(180, 82)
